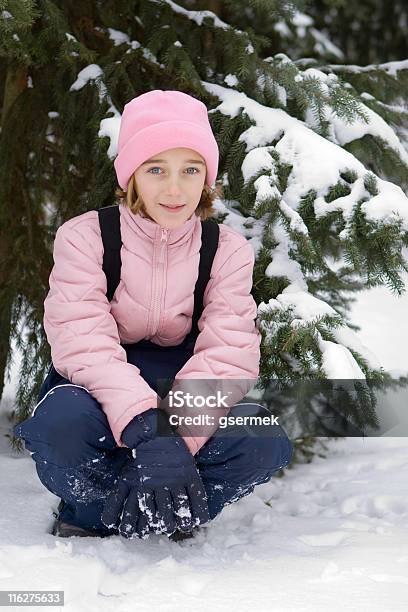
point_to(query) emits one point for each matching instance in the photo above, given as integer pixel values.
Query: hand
(160, 486)
(144, 427)
(114, 511)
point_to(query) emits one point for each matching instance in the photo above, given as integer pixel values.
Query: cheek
(148, 191)
(197, 188)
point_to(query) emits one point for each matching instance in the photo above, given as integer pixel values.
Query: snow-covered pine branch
(293, 215)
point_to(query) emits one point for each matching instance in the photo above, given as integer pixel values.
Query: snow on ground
(332, 535)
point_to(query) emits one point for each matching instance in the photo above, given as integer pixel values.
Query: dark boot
(178, 536)
(61, 529)
(65, 530)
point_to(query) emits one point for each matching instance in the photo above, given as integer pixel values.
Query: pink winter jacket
(154, 300)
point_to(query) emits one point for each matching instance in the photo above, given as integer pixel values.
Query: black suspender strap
(209, 243)
(109, 221)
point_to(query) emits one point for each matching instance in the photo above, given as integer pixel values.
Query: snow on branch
(316, 165)
(391, 68)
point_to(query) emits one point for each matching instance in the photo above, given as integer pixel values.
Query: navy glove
(160, 486)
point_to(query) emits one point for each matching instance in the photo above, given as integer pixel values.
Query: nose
(173, 186)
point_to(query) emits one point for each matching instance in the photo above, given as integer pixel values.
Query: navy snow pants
(77, 458)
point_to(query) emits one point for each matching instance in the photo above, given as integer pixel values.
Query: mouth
(172, 208)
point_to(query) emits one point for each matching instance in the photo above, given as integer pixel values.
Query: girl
(104, 440)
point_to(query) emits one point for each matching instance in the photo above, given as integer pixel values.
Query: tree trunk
(214, 6)
(16, 82)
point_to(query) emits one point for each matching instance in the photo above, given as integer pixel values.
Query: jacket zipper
(160, 276)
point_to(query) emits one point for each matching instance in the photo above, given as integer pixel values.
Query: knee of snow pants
(67, 427)
(70, 440)
(239, 457)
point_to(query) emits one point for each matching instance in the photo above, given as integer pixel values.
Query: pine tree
(308, 153)
(372, 31)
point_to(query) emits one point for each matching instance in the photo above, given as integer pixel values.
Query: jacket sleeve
(227, 350)
(82, 333)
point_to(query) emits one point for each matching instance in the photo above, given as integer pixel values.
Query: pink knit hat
(159, 120)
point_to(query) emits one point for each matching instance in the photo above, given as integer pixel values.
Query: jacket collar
(150, 230)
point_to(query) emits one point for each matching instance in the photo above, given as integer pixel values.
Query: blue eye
(190, 168)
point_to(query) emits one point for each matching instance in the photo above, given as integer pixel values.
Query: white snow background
(333, 535)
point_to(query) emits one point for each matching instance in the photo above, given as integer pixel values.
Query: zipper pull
(163, 240)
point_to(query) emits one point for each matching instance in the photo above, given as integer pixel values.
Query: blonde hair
(134, 202)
